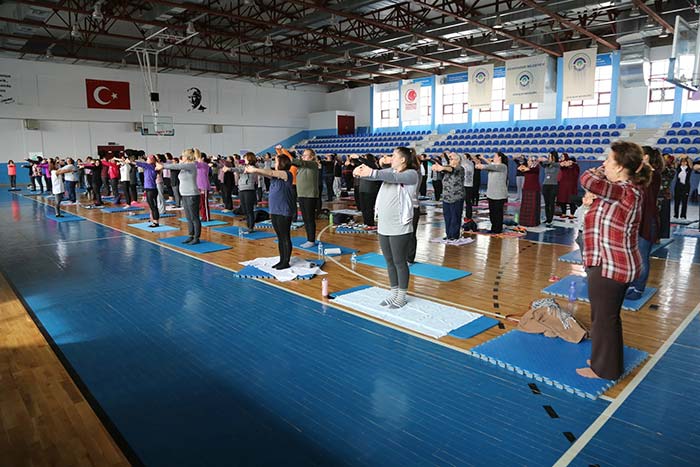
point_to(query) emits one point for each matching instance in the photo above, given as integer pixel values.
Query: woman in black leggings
(395, 214)
(247, 185)
(280, 203)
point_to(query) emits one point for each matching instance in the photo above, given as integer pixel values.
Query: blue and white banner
(525, 79)
(410, 101)
(480, 86)
(579, 74)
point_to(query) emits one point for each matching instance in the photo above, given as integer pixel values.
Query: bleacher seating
(372, 143)
(681, 138)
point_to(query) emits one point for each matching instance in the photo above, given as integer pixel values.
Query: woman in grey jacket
(189, 192)
(496, 189)
(246, 189)
(394, 210)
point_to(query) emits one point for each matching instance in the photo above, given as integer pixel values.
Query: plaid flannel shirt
(611, 227)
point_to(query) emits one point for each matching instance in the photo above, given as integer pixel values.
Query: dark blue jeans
(645, 247)
(453, 218)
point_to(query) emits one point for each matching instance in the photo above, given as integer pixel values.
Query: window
(526, 111)
(691, 102)
(454, 103)
(425, 108)
(498, 112)
(661, 93)
(599, 106)
(388, 108)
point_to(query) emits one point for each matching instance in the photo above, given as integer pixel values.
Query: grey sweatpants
(395, 250)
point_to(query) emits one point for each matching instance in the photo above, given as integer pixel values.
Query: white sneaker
(308, 244)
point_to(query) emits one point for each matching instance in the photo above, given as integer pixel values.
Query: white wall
(253, 117)
(354, 100)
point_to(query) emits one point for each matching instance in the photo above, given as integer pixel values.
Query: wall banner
(410, 101)
(525, 78)
(579, 74)
(480, 86)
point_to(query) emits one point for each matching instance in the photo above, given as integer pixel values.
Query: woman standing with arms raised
(394, 210)
(611, 253)
(530, 197)
(187, 183)
(496, 189)
(550, 186)
(281, 203)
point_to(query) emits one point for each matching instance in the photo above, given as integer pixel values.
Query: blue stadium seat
(685, 140)
(560, 127)
(594, 126)
(589, 150)
(569, 127)
(692, 150)
(550, 141)
(603, 126)
(679, 150)
(569, 150)
(687, 124)
(595, 134)
(577, 127)
(661, 141)
(682, 132)
(568, 141)
(615, 134)
(542, 141)
(621, 126)
(694, 132)
(696, 140)
(605, 141)
(667, 150)
(605, 133)
(577, 141)
(587, 134)
(671, 133)
(612, 126)
(585, 127)
(586, 141)
(579, 150)
(599, 150)
(595, 141)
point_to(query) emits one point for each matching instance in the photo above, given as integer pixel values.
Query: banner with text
(410, 102)
(525, 79)
(579, 74)
(480, 86)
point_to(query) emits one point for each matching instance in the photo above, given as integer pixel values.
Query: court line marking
(610, 410)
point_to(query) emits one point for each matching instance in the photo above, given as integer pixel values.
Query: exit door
(346, 125)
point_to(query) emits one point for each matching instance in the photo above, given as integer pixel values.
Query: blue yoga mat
(477, 326)
(145, 226)
(297, 241)
(429, 271)
(66, 217)
(686, 232)
(561, 289)
(251, 272)
(127, 209)
(207, 223)
(221, 213)
(350, 290)
(234, 230)
(350, 230)
(203, 247)
(146, 216)
(268, 225)
(551, 360)
(575, 256)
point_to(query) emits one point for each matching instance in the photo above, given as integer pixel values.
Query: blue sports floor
(188, 365)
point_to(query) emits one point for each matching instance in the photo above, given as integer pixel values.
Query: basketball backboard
(683, 68)
(157, 125)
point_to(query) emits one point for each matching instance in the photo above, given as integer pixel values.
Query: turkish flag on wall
(103, 94)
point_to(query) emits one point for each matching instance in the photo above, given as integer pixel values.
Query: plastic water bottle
(240, 233)
(320, 250)
(572, 292)
(324, 287)
(353, 260)
(330, 219)
(516, 218)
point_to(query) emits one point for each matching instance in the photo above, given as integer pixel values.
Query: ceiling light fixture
(556, 26)
(268, 41)
(514, 45)
(320, 79)
(419, 61)
(440, 47)
(190, 28)
(358, 62)
(161, 43)
(348, 73)
(396, 56)
(346, 56)
(308, 64)
(75, 32)
(97, 12)
(494, 37)
(381, 67)
(634, 11)
(325, 69)
(463, 53)
(664, 34)
(576, 35)
(442, 66)
(49, 51)
(233, 52)
(499, 23)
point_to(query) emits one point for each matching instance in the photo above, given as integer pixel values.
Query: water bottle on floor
(320, 250)
(324, 287)
(353, 260)
(572, 296)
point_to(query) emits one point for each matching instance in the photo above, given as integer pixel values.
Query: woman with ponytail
(611, 253)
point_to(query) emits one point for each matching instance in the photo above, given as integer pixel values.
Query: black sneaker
(188, 241)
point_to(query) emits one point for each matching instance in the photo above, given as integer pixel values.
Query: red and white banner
(103, 94)
(410, 102)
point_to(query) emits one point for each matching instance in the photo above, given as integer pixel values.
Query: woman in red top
(530, 203)
(568, 184)
(611, 254)
(12, 172)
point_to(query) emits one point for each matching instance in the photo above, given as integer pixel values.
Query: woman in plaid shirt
(611, 253)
